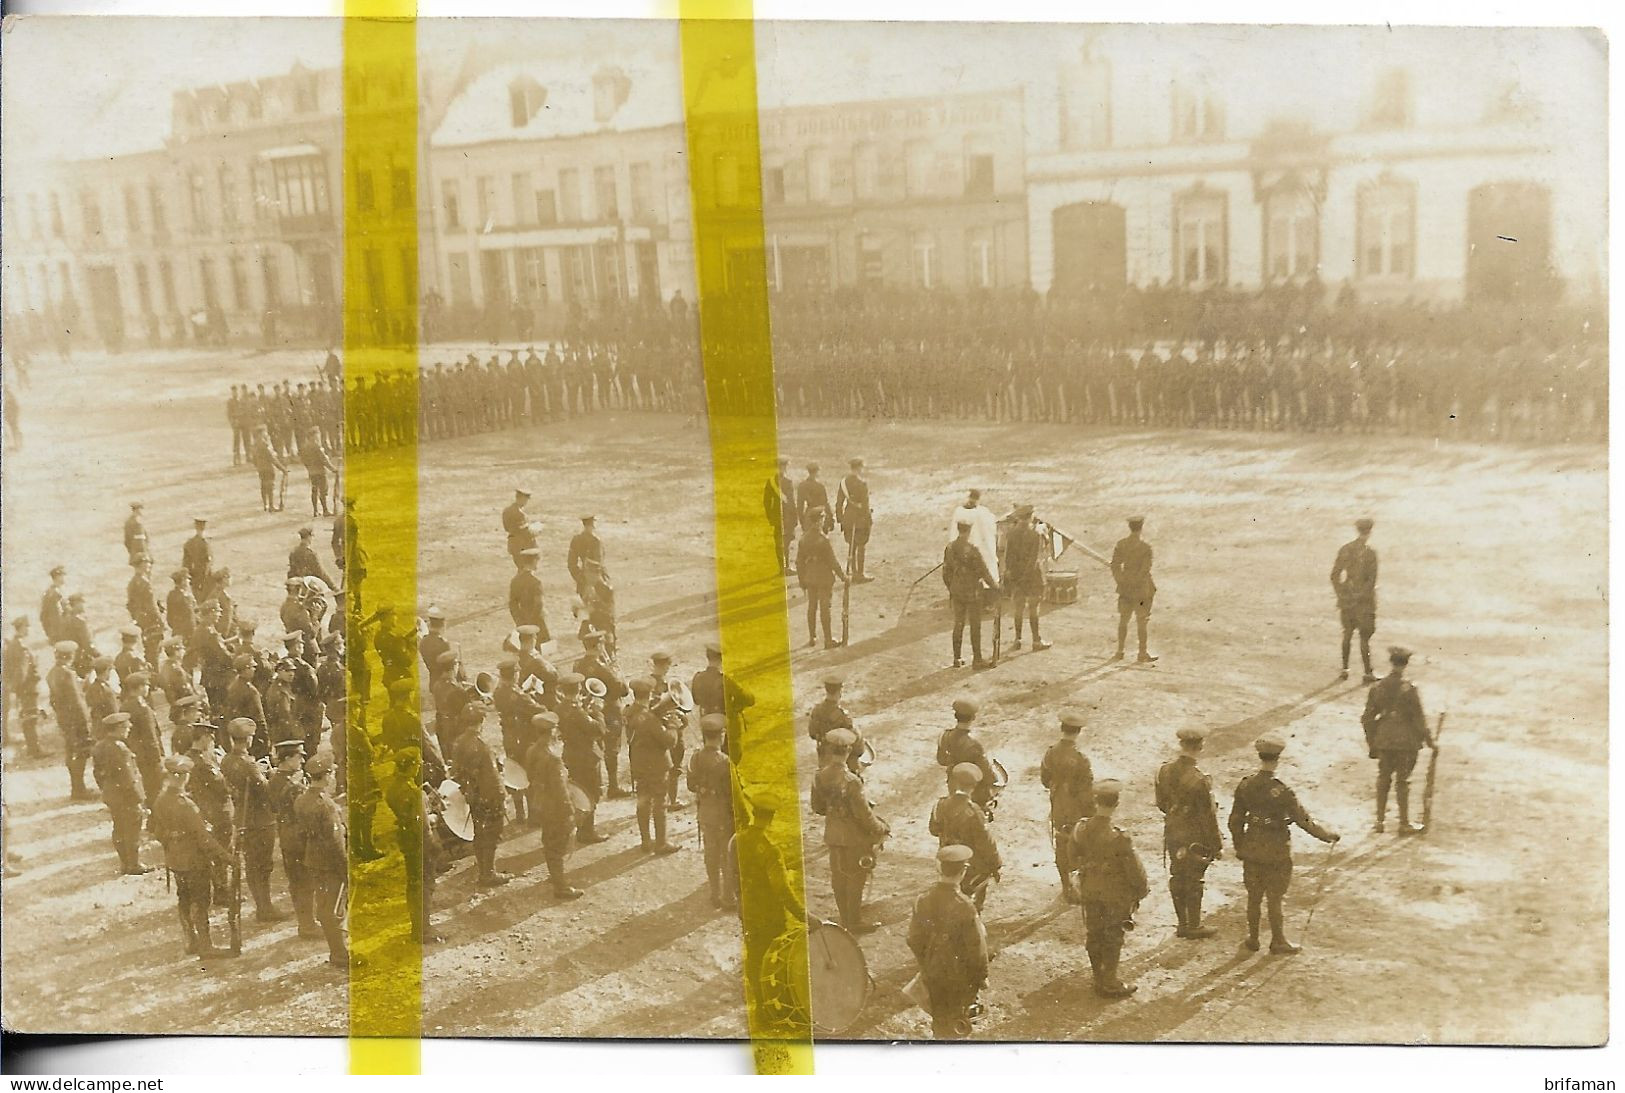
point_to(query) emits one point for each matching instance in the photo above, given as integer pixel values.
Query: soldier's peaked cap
(289, 746)
(1269, 745)
(66, 648)
(241, 661)
(855, 461)
(523, 491)
(660, 654)
(184, 702)
(102, 663)
(305, 533)
(643, 686)
(20, 621)
(435, 614)
(401, 687)
(964, 709)
(1072, 720)
(571, 679)
(177, 764)
(955, 854)
(113, 720)
(1399, 653)
(59, 570)
(243, 728)
(715, 724)
(448, 657)
(833, 681)
(1364, 523)
(1108, 787)
(135, 679)
(129, 633)
(1190, 735)
(840, 738)
(965, 772)
(529, 630)
(318, 765)
(713, 649)
(587, 518)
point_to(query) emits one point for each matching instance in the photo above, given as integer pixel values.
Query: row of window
(874, 172)
(584, 272)
(542, 200)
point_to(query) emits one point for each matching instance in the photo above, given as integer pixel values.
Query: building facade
(1423, 184)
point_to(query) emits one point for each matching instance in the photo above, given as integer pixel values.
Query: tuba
(1001, 778)
(485, 685)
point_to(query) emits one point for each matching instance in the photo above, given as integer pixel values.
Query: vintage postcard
(805, 531)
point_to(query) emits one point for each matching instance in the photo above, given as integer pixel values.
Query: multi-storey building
(1437, 180)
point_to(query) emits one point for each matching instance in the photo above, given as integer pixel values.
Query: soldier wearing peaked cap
(852, 831)
(779, 503)
(710, 780)
(254, 816)
(1070, 779)
(145, 741)
(525, 604)
(949, 944)
(856, 517)
(516, 525)
(475, 768)
(196, 557)
(581, 732)
(550, 803)
(967, 577)
(1112, 882)
(323, 836)
(404, 794)
(284, 785)
(434, 643)
(650, 744)
(303, 562)
(190, 851)
(114, 766)
(135, 533)
(141, 601)
(1261, 822)
(829, 716)
(716, 692)
(53, 608)
(1190, 831)
(243, 700)
(775, 907)
(817, 570)
(20, 671)
(585, 559)
(1395, 731)
(958, 745)
(958, 820)
(181, 606)
(72, 713)
(596, 662)
(1131, 568)
(812, 503)
(1354, 580)
(1024, 553)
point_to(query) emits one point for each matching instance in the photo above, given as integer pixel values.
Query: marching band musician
(949, 943)
(852, 831)
(255, 816)
(286, 782)
(189, 850)
(715, 692)
(710, 780)
(1112, 883)
(957, 745)
(669, 702)
(515, 709)
(828, 716)
(650, 743)
(433, 643)
(1067, 775)
(408, 800)
(475, 769)
(958, 820)
(1190, 829)
(597, 662)
(550, 800)
(322, 835)
(581, 731)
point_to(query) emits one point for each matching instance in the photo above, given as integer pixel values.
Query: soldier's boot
(264, 909)
(189, 932)
(1252, 924)
(1176, 895)
(1069, 891)
(661, 846)
(1382, 807)
(562, 888)
(612, 767)
(205, 942)
(1039, 644)
(586, 835)
(76, 779)
(1115, 987)
(129, 856)
(1403, 792)
(305, 913)
(1193, 916)
(672, 781)
(1279, 945)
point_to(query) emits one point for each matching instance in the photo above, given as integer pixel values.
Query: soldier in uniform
(322, 839)
(303, 562)
(816, 571)
(405, 797)
(142, 603)
(53, 607)
(852, 831)
(76, 627)
(949, 944)
(243, 699)
(585, 559)
(21, 681)
(1395, 731)
(1024, 573)
(1190, 832)
(516, 523)
(595, 662)
(255, 817)
(1354, 580)
(268, 463)
(779, 504)
(135, 533)
(145, 742)
(317, 468)
(958, 745)
(525, 593)
(72, 715)
(196, 558)
(958, 820)
(1070, 779)
(284, 786)
(581, 732)
(830, 715)
(1112, 883)
(965, 573)
(434, 643)
(1261, 822)
(550, 800)
(812, 503)
(715, 692)
(476, 772)
(710, 780)
(856, 517)
(113, 764)
(1131, 568)
(213, 796)
(190, 852)
(768, 917)
(181, 606)
(664, 704)
(650, 745)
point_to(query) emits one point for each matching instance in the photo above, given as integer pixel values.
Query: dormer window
(610, 88)
(525, 97)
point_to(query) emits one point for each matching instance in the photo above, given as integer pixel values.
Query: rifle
(998, 623)
(234, 909)
(282, 491)
(846, 589)
(915, 585)
(1433, 768)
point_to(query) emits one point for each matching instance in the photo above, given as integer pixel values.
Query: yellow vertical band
(725, 186)
(381, 478)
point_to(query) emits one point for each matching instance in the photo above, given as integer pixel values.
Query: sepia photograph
(803, 532)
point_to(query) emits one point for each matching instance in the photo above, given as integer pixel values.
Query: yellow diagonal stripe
(380, 344)
(719, 96)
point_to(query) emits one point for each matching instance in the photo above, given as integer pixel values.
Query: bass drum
(456, 816)
(514, 776)
(578, 798)
(841, 983)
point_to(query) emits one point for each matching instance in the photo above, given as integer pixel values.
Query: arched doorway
(1509, 242)
(1091, 247)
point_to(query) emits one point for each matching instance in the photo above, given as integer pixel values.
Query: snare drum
(1061, 586)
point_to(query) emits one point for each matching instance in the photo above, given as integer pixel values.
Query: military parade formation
(236, 750)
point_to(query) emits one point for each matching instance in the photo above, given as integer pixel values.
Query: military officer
(21, 683)
(476, 772)
(255, 817)
(1112, 882)
(779, 504)
(1261, 822)
(190, 852)
(830, 715)
(817, 569)
(581, 732)
(323, 838)
(1024, 573)
(710, 780)
(949, 944)
(959, 745)
(1190, 831)
(114, 766)
(1354, 580)
(516, 524)
(856, 517)
(585, 559)
(1395, 731)
(958, 820)
(1131, 569)
(650, 744)
(550, 800)
(72, 715)
(525, 593)
(852, 831)
(1070, 779)
(966, 575)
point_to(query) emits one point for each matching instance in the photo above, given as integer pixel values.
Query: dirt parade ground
(1490, 929)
